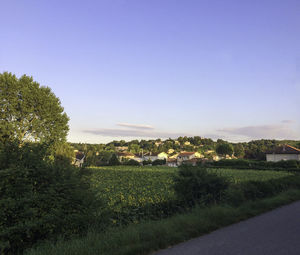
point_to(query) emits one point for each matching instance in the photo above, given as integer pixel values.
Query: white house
(79, 159)
(124, 155)
(154, 156)
(184, 156)
(138, 158)
(284, 152)
(172, 162)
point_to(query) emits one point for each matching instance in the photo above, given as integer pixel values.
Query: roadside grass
(150, 236)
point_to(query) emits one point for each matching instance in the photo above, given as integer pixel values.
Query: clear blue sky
(160, 68)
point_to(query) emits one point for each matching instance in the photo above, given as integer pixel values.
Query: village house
(192, 162)
(172, 162)
(154, 156)
(138, 157)
(174, 155)
(284, 152)
(184, 156)
(79, 158)
(170, 151)
(121, 148)
(216, 158)
(124, 156)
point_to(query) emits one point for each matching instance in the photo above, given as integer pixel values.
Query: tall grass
(149, 236)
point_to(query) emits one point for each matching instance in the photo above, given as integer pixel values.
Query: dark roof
(284, 149)
(79, 155)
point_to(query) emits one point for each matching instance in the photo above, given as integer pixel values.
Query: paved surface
(273, 233)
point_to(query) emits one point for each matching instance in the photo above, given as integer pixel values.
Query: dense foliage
(238, 193)
(40, 199)
(196, 185)
(288, 165)
(30, 112)
(224, 149)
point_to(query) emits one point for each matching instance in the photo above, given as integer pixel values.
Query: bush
(132, 162)
(41, 200)
(114, 161)
(159, 162)
(147, 162)
(195, 185)
(292, 165)
(252, 190)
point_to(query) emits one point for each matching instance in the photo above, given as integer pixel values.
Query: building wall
(278, 157)
(152, 158)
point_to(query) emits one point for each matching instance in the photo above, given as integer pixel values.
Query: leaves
(30, 112)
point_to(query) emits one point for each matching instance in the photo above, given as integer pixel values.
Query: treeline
(100, 154)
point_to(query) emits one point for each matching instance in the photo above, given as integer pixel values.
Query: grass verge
(149, 236)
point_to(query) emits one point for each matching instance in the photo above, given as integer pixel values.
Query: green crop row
(134, 192)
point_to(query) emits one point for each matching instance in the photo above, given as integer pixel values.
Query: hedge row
(238, 193)
(288, 165)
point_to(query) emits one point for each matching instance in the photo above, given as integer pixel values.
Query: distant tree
(103, 158)
(114, 161)
(134, 148)
(197, 141)
(239, 150)
(224, 149)
(219, 141)
(30, 112)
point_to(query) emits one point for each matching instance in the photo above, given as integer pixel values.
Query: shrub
(41, 200)
(114, 161)
(132, 162)
(254, 164)
(252, 190)
(196, 185)
(159, 162)
(147, 162)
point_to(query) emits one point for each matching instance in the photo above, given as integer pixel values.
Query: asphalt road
(273, 233)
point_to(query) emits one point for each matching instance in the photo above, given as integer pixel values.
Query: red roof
(193, 160)
(285, 149)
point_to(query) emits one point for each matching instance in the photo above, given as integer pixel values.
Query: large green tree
(224, 149)
(30, 112)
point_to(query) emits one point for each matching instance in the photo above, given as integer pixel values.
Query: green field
(125, 188)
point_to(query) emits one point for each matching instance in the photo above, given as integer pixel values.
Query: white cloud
(135, 126)
(112, 132)
(287, 121)
(276, 131)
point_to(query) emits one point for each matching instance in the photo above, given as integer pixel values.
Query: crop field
(125, 188)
